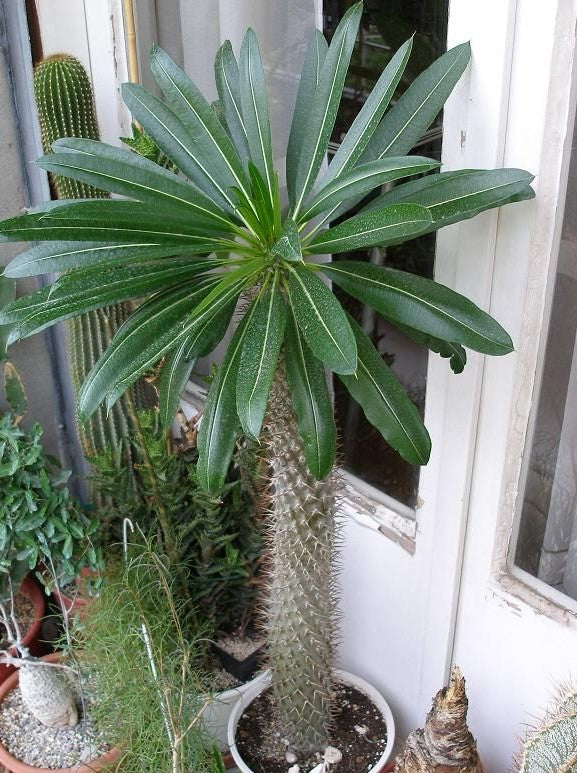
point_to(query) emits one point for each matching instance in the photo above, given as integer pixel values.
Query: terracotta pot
(15, 766)
(260, 685)
(32, 639)
(389, 767)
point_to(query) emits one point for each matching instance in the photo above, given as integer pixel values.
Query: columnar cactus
(66, 109)
(552, 746)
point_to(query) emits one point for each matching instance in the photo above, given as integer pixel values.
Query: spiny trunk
(47, 694)
(446, 744)
(300, 611)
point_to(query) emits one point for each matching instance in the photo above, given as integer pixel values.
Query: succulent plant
(551, 747)
(66, 109)
(194, 245)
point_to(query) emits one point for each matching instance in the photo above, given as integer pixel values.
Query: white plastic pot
(344, 677)
(216, 714)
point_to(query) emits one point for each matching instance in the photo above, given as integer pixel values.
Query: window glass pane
(385, 26)
(547, 541)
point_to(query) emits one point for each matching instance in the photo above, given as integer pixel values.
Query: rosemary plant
(193, 245)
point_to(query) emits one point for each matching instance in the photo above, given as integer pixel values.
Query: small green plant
(214, 543)
(40, 522)
(14, 393)
(551, 747)
(145, 653)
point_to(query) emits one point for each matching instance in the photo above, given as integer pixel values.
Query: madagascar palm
(195, 244)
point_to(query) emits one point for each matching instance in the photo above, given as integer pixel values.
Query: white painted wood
(401, 636)
(512, 643)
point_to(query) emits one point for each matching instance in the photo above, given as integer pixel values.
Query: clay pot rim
(16, 766)
(32, 589)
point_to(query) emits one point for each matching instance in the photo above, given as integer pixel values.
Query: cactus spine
(552, 746)
(301, 603)
(66, 109)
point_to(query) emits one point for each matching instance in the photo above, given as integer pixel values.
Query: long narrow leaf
(113, 221)
(155, 328)
(364, 125)
(51, 257)
(210, 139)
(175, 140)
(172, 383)
(454, 196)
(415, 111)
(390, 225)
(421, 304)
(321, 319)
(220, 424)
(362, 180)
(385, 403)
(326, 103)
(311, 401)
(79, 292)
(314, 58)
(228, 86)
(254, 102)
(129, 174)
(259, 358)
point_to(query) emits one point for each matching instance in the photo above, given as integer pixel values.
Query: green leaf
(311, 401)
(254, 103)
(416, 110)
(81, 291)
(385, 403)
(389, 225)
(321, 319)
(7, 294)
(288, 246)
(124, 172)
(179, 364)
(173, 380)
(155, 328)
(309, 81)
(61, 256)
(175, 140)
(211, 141)
(228, 86)
(323, 111)
(112, 220)
(422, 304)
(454, 352)
(259, 358)
(362, 180)
(220, 424)
(454, 196)
(68, 547)
(364, 125)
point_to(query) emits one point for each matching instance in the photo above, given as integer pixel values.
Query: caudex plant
(195, 244)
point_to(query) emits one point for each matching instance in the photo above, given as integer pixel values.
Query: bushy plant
(145, 656)
(40, 522)
(215, 543)
(193, 247)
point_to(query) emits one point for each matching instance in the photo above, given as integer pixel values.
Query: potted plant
(195, 246)
(41, 526)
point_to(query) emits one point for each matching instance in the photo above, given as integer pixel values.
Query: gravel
(46, 747)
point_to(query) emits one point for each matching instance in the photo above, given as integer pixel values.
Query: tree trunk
(300, 607)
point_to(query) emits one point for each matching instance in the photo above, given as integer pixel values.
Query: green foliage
(551, 747)
(230, 205)
(143, 144)
(215, 543)
(13, 388)
(39, 521)
(153, 717)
